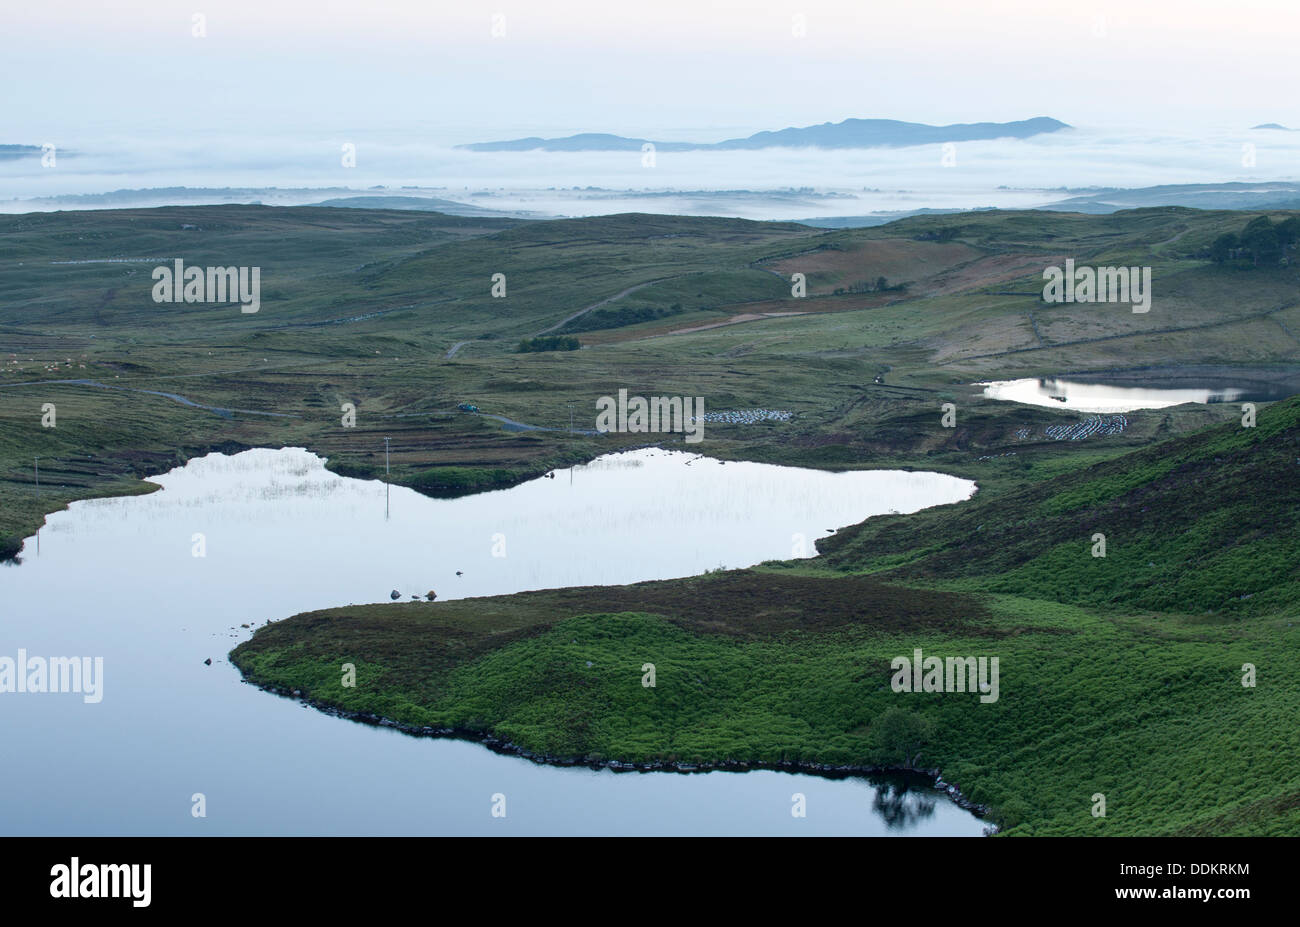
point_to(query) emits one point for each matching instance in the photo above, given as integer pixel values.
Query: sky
(143, 94)
(434, 71)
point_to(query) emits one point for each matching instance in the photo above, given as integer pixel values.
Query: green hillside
(1116, 679)
(1208, 524)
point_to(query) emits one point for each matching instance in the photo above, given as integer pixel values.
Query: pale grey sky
(693, 68)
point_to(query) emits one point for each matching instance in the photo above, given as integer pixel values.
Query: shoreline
(507, 748)
(142, 485)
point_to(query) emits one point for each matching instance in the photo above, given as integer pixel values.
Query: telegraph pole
(37, 464)
(385, 477)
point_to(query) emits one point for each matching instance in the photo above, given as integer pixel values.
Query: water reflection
(1100, 397)
(903, 805)
(118, 579)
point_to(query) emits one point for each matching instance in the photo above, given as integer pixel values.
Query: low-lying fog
(782, 183)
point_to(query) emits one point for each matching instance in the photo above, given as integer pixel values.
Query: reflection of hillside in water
(279, 486)
(608, 463)
(646, 514)
(901, 806)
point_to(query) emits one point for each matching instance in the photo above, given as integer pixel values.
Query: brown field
(898, 259)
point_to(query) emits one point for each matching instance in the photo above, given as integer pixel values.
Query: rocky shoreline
(497, 745)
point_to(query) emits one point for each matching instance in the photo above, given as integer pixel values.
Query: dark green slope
(1204, 523)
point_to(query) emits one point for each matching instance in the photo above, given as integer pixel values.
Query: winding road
(175, 397)
(609, 299)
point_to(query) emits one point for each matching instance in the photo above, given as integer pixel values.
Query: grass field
(362, 307)
(1121, 675)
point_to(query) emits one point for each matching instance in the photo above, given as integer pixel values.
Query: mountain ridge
(848, 133)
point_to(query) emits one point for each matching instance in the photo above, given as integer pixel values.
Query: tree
(548, 343)
(1288, 232)
(1261, 239)
(1222, 248)
(900, 735)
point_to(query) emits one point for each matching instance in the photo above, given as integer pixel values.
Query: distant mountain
(1106, 200)
(587, 141)
(19, 151)
(429, 203)
(1236, 195)
(1272, 125)
(871, 220)
(851, 133)
(879, 133)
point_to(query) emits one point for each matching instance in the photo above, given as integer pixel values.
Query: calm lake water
(117, 579)
(1100, 397)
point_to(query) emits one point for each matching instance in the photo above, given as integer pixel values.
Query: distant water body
(1101, 397)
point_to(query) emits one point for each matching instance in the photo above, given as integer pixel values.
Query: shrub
(548, 343)
(9, 547)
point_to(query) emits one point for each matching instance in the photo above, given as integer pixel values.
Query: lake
(1132, 394)
(118, 579)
